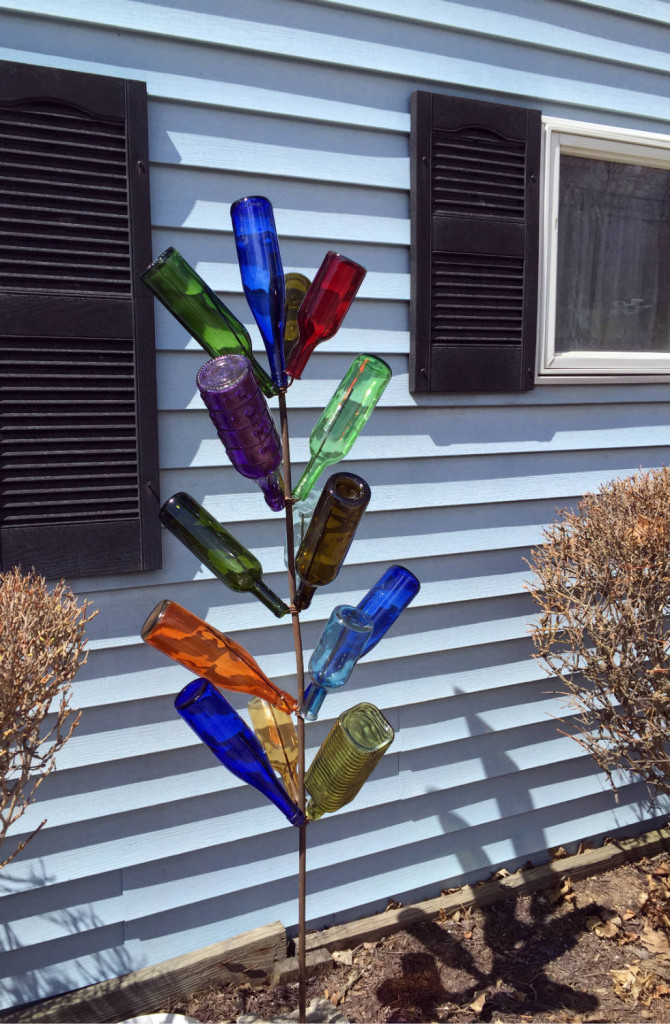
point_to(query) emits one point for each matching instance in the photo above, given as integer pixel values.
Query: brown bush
(603, 587)
(41, 648)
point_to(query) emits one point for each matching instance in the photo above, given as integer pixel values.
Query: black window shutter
(475, 222)
(78, 430)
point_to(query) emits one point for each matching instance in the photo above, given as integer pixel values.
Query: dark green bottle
(197, 308)
(329, 535)
(218, 549)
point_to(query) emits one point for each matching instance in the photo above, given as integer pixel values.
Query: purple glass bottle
(244, 423)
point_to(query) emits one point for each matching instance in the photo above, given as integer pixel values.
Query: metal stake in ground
(300, 673)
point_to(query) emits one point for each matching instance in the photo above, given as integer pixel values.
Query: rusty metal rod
(300, 673)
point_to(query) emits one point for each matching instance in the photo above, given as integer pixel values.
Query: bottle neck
(267, 597)
(314, 698)
(273, 490)
(313, 811)
(315, 467)
(304, 595)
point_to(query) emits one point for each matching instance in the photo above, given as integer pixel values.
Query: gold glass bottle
(354, 746)
(276, 733)
(202, 649)
(330, 533)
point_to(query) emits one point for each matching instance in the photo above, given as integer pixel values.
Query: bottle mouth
(154, 618)
(161, 260)
(367, 728)
(353, 618)
(350, 489)
(223, 373)
(192, 692)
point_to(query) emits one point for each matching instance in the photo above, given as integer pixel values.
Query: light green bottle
(354, 746)
(344, 417)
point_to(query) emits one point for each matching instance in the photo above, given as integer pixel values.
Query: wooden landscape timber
(255, 955)
(246, 957)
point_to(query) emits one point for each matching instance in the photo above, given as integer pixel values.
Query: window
(601, 247)
(78, 438)
(605, 308)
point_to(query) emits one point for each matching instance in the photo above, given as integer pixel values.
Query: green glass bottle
(354, 746)
(218, 549)
(197, 308)
(330, 532)
(344, 417)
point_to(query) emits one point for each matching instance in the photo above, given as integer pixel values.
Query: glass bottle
(324, 307)
(384, 602)
(329, 535)
(276, 733)
(302, 517)
(197, 308)
(244, 423)
(202, 649)
(296, 288)
(344, 417)
(333, 659)
(230, 739)
(354, 746)
(262, 275)
(222, 553)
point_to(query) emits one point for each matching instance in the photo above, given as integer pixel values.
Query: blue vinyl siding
(150, 848)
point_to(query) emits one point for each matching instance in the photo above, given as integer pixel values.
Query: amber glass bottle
(330, 533)
(202, 649)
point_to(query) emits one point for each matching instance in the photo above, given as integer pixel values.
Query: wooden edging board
(580, 865)
(253, 955)
(245, 957)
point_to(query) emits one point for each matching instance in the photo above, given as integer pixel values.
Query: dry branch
(41, 648)
(603, 587)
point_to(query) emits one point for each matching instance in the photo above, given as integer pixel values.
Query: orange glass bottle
(202, 649)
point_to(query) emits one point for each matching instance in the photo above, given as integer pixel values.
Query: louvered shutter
(78, 438)
(475, 203)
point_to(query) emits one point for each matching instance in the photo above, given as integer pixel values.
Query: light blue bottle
(333, 659)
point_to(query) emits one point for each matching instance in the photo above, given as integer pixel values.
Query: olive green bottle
(197, 308)
(329, 535)
(218, 549)
(354, 746)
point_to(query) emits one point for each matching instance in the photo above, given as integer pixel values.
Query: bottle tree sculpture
(293, 317)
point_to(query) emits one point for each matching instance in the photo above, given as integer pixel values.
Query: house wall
(150, 848)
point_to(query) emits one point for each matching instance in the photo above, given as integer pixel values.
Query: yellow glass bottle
(276, 733)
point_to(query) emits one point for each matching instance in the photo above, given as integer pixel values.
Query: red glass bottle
(324, 307)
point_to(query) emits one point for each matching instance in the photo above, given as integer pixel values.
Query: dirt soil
(596, 950)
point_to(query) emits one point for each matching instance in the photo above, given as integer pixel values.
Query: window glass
(613, 263)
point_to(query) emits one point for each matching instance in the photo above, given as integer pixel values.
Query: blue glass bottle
(262, 275)
(333, 659)
(231, 740)
(386, 600)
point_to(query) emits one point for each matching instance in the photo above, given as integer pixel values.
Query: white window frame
(599, 142)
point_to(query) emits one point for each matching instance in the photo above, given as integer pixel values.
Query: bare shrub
(603, 587)
(41, 648)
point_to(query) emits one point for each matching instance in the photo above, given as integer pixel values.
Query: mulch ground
(596, 950)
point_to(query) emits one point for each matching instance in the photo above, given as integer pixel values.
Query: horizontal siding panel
(350, 52)
(446, 433)
(208, 216)
(535, 31)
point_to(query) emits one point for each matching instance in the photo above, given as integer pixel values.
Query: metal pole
(300, 672)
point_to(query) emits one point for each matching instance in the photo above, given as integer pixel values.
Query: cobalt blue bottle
(231, 740)
(386, 600)
(262, 275)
